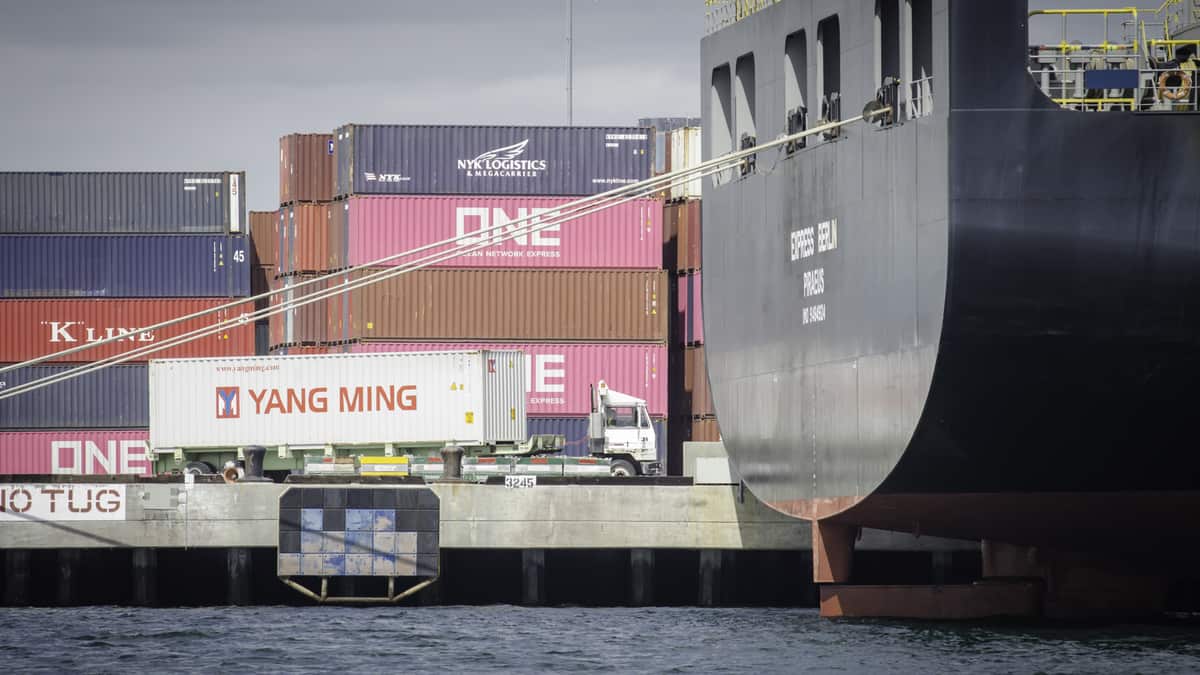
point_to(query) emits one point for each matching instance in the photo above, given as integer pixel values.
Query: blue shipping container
(124, 266)
(123, 203)
(112, 398)
(549, 161)
(575, 429)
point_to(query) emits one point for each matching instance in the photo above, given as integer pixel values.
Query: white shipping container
(685, 154)
(464, 397)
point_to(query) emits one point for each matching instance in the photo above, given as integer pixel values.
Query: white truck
(620, 429)
(329, 413)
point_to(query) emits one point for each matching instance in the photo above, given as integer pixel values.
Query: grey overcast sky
(206, 85)
(213, 84)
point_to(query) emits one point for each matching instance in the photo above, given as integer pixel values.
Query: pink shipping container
(628, 235)
(558, 374)
(75, 452)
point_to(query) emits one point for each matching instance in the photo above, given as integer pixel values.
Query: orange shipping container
(695, 381)
(264, 237)
(261, 280)
(307, 237)
(33, 328)
(686, 219)
(306, 168)
(706, 430)
(485, 304)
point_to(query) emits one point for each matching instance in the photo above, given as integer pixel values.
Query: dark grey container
(199, 202)
(489, 160)
(111, 398)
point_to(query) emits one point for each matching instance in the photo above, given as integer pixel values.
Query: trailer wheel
(622, 468)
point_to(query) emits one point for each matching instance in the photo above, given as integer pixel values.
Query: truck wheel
(199, 468)
(622, 468)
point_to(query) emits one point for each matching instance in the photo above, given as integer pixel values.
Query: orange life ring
(1178, 93)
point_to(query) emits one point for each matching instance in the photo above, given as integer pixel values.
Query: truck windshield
(622, 416)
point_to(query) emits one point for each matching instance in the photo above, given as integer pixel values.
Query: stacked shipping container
(264, 238)
(693, 417)
(87, 256)
(303, 230)
(585, 299)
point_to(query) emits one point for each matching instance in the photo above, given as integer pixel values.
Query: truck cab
(621, 430)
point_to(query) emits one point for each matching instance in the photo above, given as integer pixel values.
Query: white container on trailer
(469, 398)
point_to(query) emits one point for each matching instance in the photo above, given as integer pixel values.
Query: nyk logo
(229, 403)
(503, 162)
(372, 177)
(76, 331)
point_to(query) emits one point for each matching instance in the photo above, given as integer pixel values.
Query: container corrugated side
(73, 452)
(284, 250)
(113, 397)
(683, 325)
(489, 160)
(264, 237)
(691, 309)
(307, 237)
(695, 382)
(575, 431)
(275, 322)
(557, 375)
(685, 154)
(686, 218)
(124, 266)
(305, 324)
(194, 202)
(512, 305)
(706, 430)
(503, 375)
(627, 235)
(33, 328)
(344, 399)
(306, 168)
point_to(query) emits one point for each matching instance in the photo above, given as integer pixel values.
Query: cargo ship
(977, 315)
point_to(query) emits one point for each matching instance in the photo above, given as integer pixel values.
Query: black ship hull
(1009, 341)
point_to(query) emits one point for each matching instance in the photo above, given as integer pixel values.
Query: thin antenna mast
(570, 64)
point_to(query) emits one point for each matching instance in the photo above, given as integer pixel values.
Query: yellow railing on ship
(1061, 67)
(1100, 104)
(1066, 47)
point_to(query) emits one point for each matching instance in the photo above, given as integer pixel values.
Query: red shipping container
(695, 382)
(309, 319)
(690, 309)
(557, 375)
(306, 168)
(264, 237)
(686, 218)
(307, 237)
(509, 305)
(275, 321)
(75, 452)
(706, 430)
(626, 236)
(33, 328)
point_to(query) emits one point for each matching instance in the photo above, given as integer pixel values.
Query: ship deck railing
(1155, 70)
(1159, 88)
